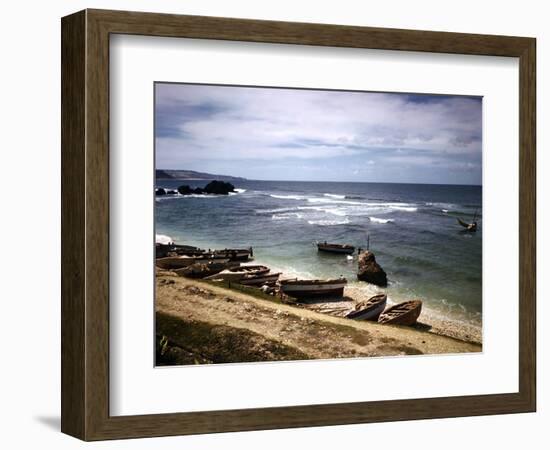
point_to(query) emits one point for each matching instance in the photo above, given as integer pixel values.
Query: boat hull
(405, 313)
(260, 279)
(341, 251)
(235, 255)
(369, 313)
(313, 290)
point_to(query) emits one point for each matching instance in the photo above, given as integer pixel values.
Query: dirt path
(269, 323)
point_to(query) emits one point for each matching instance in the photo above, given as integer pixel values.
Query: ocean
(412, 228)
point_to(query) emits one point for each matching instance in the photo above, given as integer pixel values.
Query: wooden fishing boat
(260, 280)
(236, 254)
(369, 309)
(313, 288)
(164, 250)
(405, 313)
(238, 272)
(201, 270)
(251, 269)
(178, 262)
(344, 249)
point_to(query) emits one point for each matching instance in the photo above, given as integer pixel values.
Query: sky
(318, 135)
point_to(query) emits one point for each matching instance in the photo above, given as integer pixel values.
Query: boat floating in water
(405, 313)
(313, 288)
(344, 249)
(369, 309)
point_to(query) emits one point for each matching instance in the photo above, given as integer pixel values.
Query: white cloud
(229, 123)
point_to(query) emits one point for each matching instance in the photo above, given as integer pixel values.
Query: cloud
(218, 123)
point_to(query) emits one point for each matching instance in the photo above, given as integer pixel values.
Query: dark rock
(160, 191)
(219, 188)
(214, 187)
(185, 190)
(171, 191)
(370, 271)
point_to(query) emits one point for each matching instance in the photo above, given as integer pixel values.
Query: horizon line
(313, 181)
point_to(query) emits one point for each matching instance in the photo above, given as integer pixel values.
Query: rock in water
(219, 187)
(370, 271)
(185, 190)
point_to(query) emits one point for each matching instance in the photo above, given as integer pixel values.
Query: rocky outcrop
(185, 190)
(370, 271)
(160, 191)
(219, 188)
(214, 187)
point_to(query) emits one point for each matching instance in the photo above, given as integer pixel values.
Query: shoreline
(198, 319)
(429, 320)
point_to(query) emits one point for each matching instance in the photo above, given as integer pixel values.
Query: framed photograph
(273, 225)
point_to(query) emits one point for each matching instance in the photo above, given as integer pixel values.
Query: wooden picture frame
(85, 224)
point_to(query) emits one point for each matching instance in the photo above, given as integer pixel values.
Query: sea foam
(328, 223)
(378, 220)
(287, 197)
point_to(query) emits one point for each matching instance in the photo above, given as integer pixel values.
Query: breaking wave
(286, 216)
(327, 223)
(289, 197)
(378, 220)
(405, 208)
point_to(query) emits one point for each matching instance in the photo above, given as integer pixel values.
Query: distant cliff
(165, 174)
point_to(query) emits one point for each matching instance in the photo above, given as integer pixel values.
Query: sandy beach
(199, 322)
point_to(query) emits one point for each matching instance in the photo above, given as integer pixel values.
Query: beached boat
(259, 280)
(344, 249)
(369, 309)
(164, 250)
(313, 288)
(178, 262)
(236, 254)
(251, 269)
(405, 313)
(202, 270)
(238, 272)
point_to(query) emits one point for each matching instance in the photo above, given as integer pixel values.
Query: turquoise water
(413, 232)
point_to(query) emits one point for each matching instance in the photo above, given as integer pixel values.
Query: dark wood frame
(85, 224)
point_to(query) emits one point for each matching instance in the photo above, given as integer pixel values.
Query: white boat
(313, 288)
(370, 309)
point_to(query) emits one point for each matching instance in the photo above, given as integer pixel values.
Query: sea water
(412, 229)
